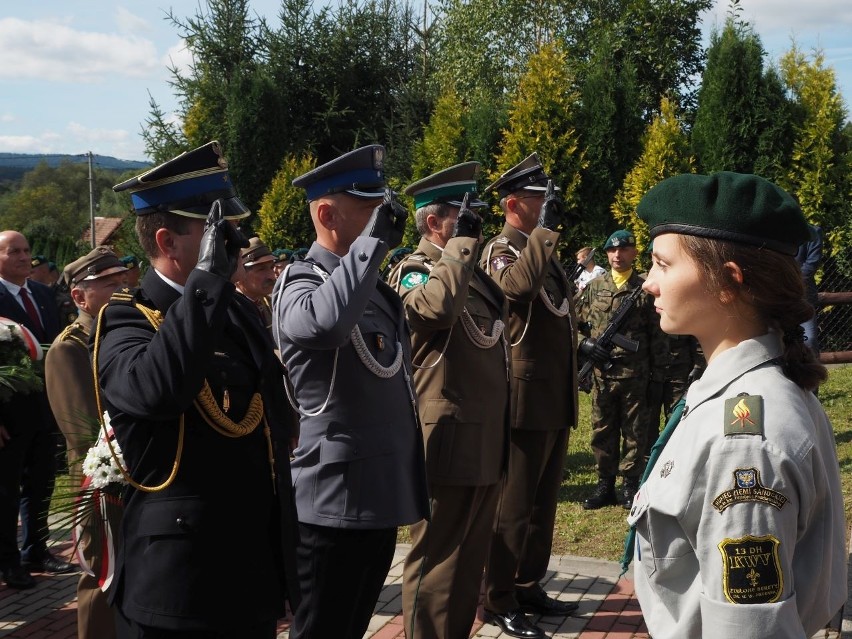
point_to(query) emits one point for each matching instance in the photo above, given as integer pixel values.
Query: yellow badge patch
(751, 569)
(744, 415)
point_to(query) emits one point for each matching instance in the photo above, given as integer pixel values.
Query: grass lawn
(600, 533)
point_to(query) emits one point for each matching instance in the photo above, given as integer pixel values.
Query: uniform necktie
(656, 451)
(38, 329)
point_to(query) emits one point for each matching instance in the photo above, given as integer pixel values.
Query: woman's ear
(734, 275)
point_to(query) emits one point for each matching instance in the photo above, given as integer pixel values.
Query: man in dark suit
(542, 332)
(195, 398)
(358, 470)
(28, 433)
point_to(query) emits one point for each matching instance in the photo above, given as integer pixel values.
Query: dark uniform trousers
(129, 629)
(323, 555)
(526, 512)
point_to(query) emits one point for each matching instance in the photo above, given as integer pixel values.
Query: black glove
(219, 253)
(552, 209)
(593, 351)
(387, 223)
(468, 223)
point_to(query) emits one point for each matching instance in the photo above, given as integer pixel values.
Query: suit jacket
(44, 298)
(463, 390)
(221, 509)
(359, 463)
(31, 410)
(544, 351)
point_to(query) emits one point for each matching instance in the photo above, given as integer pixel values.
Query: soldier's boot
(628, 491)
(604, 494)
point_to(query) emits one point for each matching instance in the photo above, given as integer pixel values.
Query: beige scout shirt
(740, 525)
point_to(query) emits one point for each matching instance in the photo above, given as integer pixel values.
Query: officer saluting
(457, 315)
(194, 393)
(542, 334)
(358, 470)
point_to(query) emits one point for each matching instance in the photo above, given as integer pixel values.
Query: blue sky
(76, 74)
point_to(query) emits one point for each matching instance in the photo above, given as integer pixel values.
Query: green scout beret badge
(747, 487)
(744, 415)
(751, 569)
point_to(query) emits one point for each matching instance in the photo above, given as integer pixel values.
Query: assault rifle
(609, 339)
(581, 266)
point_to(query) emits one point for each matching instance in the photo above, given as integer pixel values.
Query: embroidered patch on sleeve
(747, 487)
(500, 262)
(751, 569)
(744, 415)
(415, 278)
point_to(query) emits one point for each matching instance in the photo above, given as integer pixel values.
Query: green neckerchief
(656, 451)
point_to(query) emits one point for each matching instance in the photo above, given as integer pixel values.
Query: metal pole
(92, 202)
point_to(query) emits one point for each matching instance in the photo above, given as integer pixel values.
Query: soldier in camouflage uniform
(620, 391)
(684, 363)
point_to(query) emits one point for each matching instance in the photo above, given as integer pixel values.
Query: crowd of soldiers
(432, 387)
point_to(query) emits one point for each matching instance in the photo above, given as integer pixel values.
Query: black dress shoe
(537, 601)
(515, 624)
(17, 577)
(50, 564)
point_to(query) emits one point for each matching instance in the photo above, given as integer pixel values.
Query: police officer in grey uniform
(358, 471)
(457, 315)
(739, 525)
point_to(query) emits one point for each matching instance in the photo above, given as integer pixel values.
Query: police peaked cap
(735, 207)
(360, 173)
(186, 185)
(447, 186)
(528, 175)
(256, 253)
(99, 262)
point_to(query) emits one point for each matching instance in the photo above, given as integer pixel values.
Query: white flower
(100, 464)
(5, 333)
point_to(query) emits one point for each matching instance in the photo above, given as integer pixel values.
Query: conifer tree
(542, 119)
(442, 144)
(284, 219)
(665, 153)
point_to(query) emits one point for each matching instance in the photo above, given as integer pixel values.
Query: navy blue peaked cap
(360, 173)
(527, 175)
(186, 185)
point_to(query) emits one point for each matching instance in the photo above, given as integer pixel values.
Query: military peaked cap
(98, 262)
(360, 173)
(256, 253)
(736, 207)
(187, 185)
(38, 260)
(529, 175)
(447, 186)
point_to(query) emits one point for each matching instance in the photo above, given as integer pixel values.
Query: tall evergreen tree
(284, 218)
(730, 119)
(820, 175)
(665, 153)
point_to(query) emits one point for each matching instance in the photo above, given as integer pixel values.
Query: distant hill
(14, 165)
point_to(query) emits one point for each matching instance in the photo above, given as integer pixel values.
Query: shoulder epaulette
(74, 333)
(125, 295)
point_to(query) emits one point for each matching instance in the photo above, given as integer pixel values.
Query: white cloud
(55, 52)
(787, 18)
(178, 57)
(131, 23)
(76, 139)
(7, 117)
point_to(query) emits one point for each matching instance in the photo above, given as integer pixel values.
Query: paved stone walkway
(608, 608)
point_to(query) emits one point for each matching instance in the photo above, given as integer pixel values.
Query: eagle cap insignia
(744, 415)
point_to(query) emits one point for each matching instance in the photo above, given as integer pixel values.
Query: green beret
(726, 206)
(620, 238)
